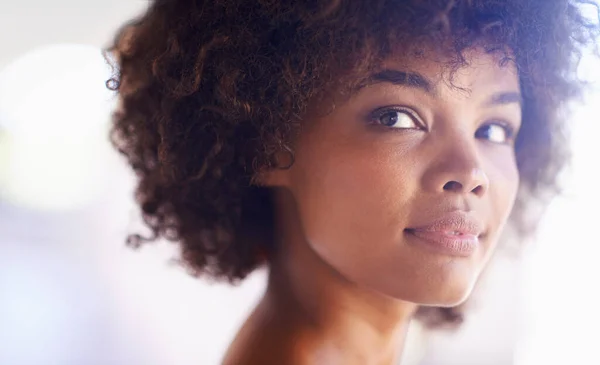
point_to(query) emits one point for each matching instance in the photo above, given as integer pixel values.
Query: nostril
(478, 190)
(453, 186)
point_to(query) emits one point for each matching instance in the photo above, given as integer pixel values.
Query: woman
(370, 153)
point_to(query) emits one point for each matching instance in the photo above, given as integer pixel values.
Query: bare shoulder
(262, 348)
(263, 340)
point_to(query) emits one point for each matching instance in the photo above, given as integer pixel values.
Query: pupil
(485, 133)
(390, 118)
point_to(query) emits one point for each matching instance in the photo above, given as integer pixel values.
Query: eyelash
(508, 128)
(377, 114)
(374, 116)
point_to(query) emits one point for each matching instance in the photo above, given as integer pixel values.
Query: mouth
(447, 243)
(455, 223)
(454, 234)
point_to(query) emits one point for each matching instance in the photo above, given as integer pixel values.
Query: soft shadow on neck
(339, 321)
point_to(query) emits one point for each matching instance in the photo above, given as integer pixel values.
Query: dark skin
(348, 274)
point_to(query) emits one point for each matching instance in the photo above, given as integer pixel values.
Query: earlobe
(277, 173)
(285, 158)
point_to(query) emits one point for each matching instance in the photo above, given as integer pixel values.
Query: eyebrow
(402, 78)
(506, 98)
(418, 81)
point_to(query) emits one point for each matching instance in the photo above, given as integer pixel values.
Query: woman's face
(405, 187)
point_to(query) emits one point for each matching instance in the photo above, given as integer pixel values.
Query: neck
(340, 321)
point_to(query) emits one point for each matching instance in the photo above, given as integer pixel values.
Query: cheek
(504, 187)
(351, 199)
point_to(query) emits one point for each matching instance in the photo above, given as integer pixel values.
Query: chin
(437, 299)
(443, 285)
(450, 299)
(442, 293)
(446, 296)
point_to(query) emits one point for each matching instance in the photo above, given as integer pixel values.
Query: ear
(279, 174)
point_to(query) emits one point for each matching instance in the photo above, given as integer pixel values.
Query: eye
(399, 118)
(500, 133)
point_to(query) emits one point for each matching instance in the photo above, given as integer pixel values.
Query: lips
(453, 224)
(455, 234)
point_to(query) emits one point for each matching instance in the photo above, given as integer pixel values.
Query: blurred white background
(71, 293)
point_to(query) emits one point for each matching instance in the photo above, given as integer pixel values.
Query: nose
(458, 170)
(474, 181)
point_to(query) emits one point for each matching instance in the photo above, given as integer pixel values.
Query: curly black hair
(209, 91)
